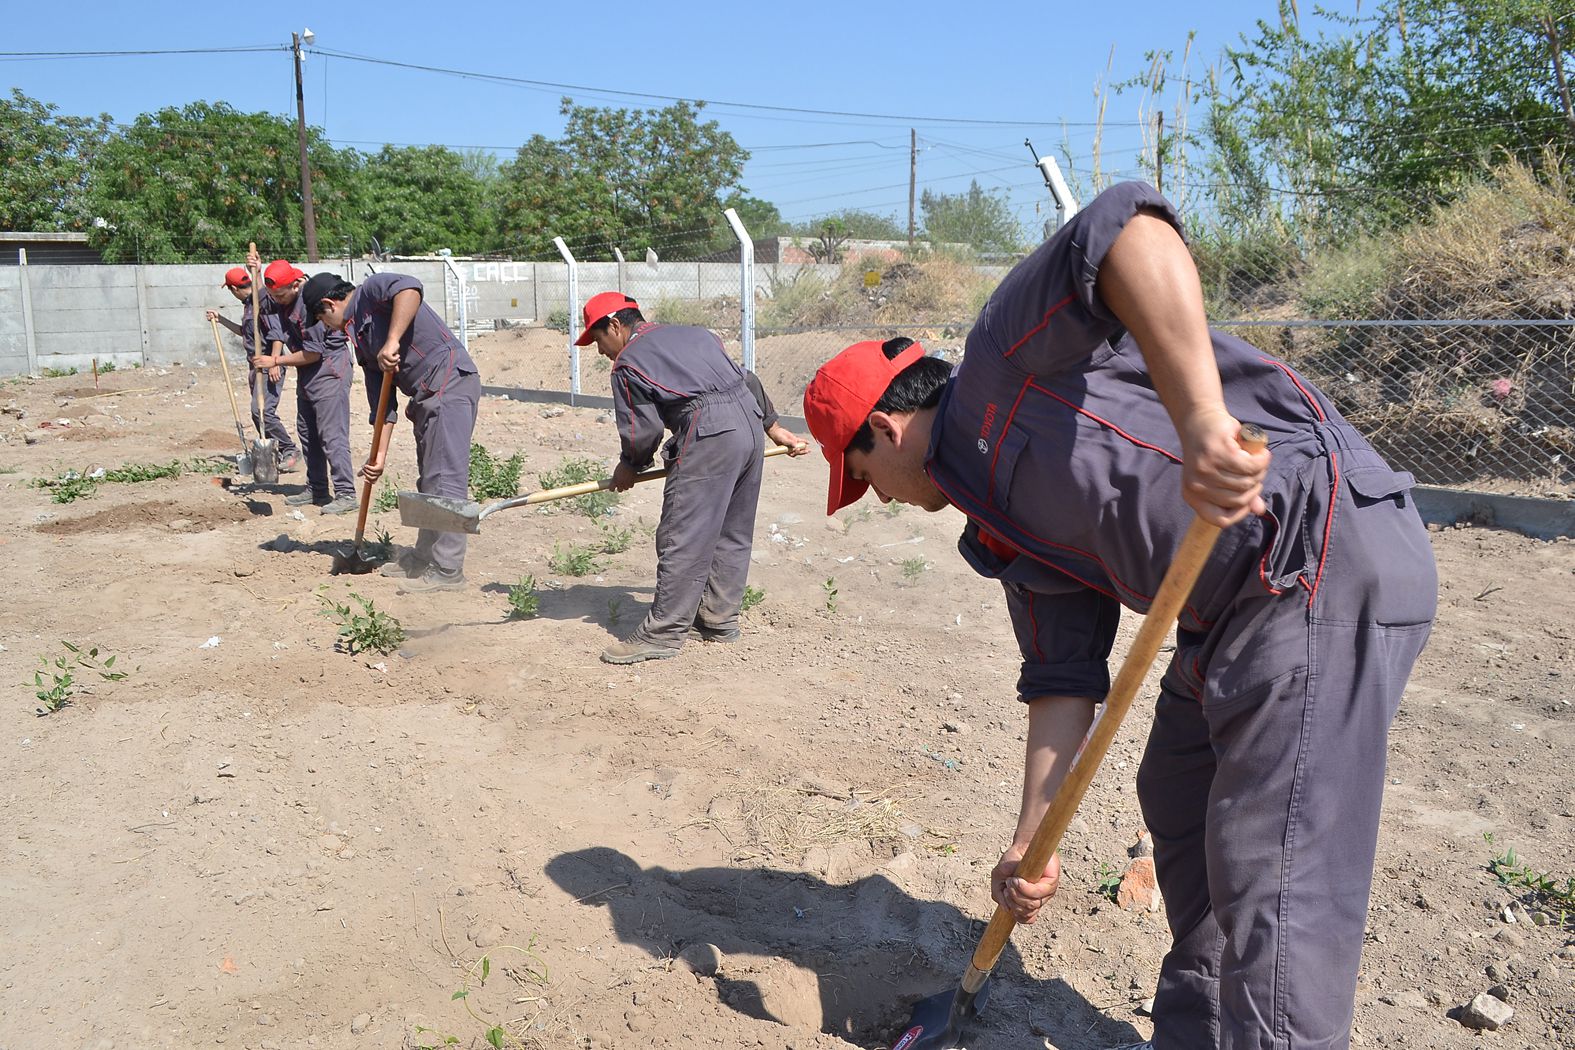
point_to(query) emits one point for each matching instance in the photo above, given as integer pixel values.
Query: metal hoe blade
(439, 513)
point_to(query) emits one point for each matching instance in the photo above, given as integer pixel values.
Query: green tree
(200, 181)
(761, 218)
(978, 218)
(625, 178)
(44, 163)
(418, 199)
(854, 223)
(1371, 119)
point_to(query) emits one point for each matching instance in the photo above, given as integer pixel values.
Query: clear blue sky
(1005, 62)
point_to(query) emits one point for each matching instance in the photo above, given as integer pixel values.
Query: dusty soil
(260, 841)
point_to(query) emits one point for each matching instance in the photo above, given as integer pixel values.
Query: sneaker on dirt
(341, 505)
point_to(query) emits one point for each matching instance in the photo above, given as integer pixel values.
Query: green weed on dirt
(55, 681)
(493, 478)
(753, 596)
(574, 560)
(523, 601)
(1549, 899)
(576, 471)
(365, 629)
(72, 485)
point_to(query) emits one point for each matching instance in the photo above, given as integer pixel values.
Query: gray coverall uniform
(265, 410)
(444, 389)
(1264, 771)
(322, 396)
(678, 378)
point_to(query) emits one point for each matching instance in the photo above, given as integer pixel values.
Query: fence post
(574, 310)
(1065, 204)
(464, 315)
(618, 254)
(29, 335)
(746, 288)
(142, 310)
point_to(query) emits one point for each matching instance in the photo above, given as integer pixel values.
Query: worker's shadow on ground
(618, 609)
(867, 950)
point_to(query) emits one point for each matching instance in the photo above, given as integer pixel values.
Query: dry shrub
(934, 290)
(774, 821)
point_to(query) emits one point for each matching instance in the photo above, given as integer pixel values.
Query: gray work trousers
(444, 423)
(265, 410)
(1264, 775)
(706, 534)
(322, 421)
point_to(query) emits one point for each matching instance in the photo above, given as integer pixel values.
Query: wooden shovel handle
(377, 442)
(1173, 591)
(259, 400)
(229, 386)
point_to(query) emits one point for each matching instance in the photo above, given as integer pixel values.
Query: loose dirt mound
(174, 516)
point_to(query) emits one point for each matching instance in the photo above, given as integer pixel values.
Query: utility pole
(913, 177)
(300, 134)
(1159, 153)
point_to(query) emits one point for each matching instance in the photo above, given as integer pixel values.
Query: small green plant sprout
(58, 373)
(577, 471)
(1107, 881)
(492, 478)
(574, 560)
(1548, 899)
(753, 596)
(67, 487)
(106, 368)
(830, 589)
(913, 568)
(893, 509)
(529, 970)
(614, 539)
(614, 611)
(381, 548)
(362, 630)
(54, 683)
(524, 604)
(133, 473)
(387, 498)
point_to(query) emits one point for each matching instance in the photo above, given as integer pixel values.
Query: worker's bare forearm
(1056, 727)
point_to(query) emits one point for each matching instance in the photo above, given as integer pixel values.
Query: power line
(23, 56)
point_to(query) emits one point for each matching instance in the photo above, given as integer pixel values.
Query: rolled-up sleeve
(640, 426)
(1046, 316)
(767, 409)
(1065, 640)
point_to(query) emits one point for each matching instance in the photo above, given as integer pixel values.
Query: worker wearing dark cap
(322, 393)
(679, 378)
(391, 330)
(265, 410)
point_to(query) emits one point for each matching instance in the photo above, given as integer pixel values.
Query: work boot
(635, 649)
(289, 463)
(433, 578)
(405, 567)
(714, 634)
(341, 505)
(301, 499)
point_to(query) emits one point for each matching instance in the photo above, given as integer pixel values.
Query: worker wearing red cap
(322, 392)
(398, 338)
(679, 378)
(265, 410)
(1092, 416)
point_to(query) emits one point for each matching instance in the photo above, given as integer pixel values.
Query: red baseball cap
(599, 306)
(839, 400)
(280, 273)
(237, 277)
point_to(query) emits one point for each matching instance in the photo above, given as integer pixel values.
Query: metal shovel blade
(355, 562)
(265, 461)
(417, 510)
(939, 1020)
(243, 463)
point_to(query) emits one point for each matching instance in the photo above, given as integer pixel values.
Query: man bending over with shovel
(1092, 414)
(678, 378)
(398, 338)
(265, 410)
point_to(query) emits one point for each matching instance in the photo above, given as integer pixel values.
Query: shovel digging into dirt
(443, 514)
(353, 561)
(243, 459)
(938, 1022)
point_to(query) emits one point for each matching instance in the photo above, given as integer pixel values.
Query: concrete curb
(1543, 519)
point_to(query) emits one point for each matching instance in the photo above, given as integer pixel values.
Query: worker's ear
(887, 426)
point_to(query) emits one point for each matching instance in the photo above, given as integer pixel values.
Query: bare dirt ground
(268, 843)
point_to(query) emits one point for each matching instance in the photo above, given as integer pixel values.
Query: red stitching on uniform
(1328, 527)
(1263, 562)
(630, 399)
(1036, 329)
(1197, 690)
(1033, 624)
(989, 497)
(1292, 377)
(653, 382)
(1105, 423)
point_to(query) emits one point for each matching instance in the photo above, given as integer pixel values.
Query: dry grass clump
(934, 290)
(776, 821)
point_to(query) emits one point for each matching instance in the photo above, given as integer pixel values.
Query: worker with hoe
(322, 388)
(265, 412)
(398, 338)
(1092, 414)
(679, 378)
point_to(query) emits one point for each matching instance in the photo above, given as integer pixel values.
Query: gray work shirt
(289, 325)
(430, 356)
(678, 378)
(1051, 439)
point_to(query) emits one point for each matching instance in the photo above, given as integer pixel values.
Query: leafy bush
(491, 478)
(368, 628)
(574, 560)
(523, 602)
(753, 596)
(574, 472)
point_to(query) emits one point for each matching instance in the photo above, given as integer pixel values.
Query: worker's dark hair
(325, 286)
(629, 316)
(918, 386)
